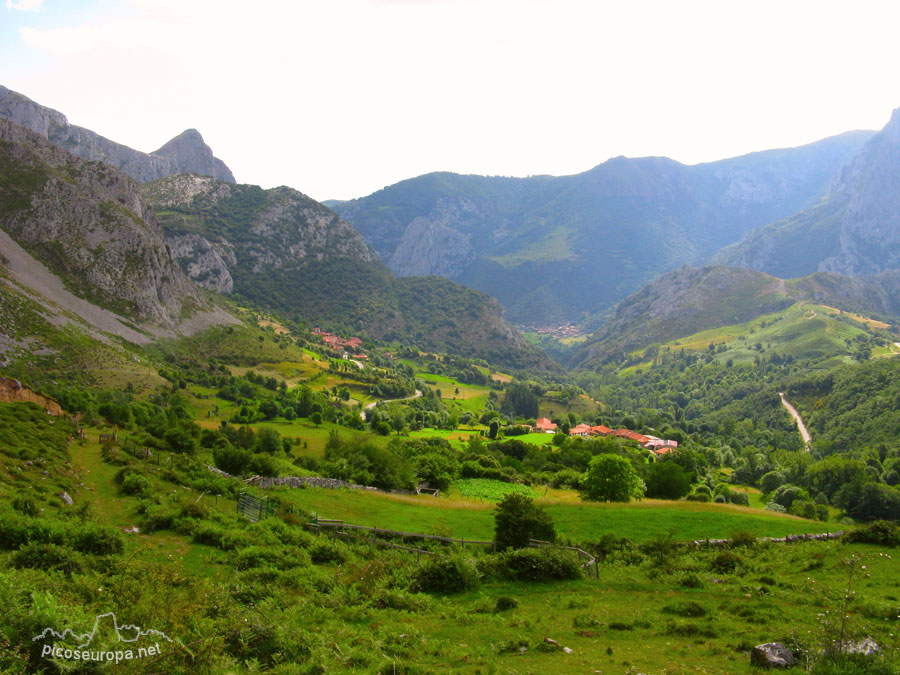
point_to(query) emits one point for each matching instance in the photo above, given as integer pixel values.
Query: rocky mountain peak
(192, 155)
(186, 153)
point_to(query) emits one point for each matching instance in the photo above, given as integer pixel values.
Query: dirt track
(800, 425)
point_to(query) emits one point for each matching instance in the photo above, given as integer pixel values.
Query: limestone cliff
(87, 222)
(854, 230)
(186, 153)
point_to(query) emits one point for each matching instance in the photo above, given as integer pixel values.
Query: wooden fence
(341, 528)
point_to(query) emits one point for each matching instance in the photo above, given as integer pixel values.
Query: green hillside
(743, 315)
(281, 251)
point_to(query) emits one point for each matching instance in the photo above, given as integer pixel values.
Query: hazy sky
(339, 98)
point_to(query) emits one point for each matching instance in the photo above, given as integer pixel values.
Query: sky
(339, 98)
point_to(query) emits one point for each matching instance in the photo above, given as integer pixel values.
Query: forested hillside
(559, 249)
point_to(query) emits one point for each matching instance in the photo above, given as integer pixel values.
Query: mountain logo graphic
(124, 632)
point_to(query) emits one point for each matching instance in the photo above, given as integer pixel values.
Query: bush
(804, 508)
(518, 519)
(537, 564)
(883, 532)
(726, 561)
(742, 538)
(25, 505)
(97, 539)
(688, 610)
(324, 552)
(446, 575)
(231, 460)
(47, 557)
(505, 603)
(691, 580)
(159, 516)
(135, 484)
(279, 557)
(787, 494)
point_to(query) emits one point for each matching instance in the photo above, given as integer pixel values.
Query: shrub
(666, 479)
(324, 552)
(518, 519)
(231, 460)
(446, 575)
(537, 564)
(804, 508)
(279, 557)
(47, 557)
(787, 494)
(883, 532)
(505, 603)
(742, 538)
(97, 539)
(772, 481)
(25, 505)
(688, 610)
(726, 561)
(135, 484)
(159, 516)
(691, 580)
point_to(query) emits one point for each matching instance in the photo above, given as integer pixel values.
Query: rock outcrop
(855, 230)
(772, 655)
(87, 222)
(13, 391)
(186, 153)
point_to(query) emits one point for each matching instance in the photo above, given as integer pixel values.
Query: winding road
(800, 425)
(371, 405)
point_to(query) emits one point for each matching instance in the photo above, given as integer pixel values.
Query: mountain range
(854, 229)
(559, 249)
(81, 235)
(144, 246)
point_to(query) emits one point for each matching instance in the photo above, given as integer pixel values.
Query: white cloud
(25, 5)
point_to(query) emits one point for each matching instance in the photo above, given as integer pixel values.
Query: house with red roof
(580, 430)
(600, 430)
(543, 425)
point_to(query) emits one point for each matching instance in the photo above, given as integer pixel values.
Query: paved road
(389, 400)
(800, 425)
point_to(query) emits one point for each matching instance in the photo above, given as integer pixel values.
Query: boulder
(66, 498)
(866, 647)
(772, 655)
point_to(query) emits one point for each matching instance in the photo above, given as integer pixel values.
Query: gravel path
(800, 425)
(389, 400)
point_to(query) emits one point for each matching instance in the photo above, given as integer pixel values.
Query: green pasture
(578, 522)
(581, 405)
(803, 330)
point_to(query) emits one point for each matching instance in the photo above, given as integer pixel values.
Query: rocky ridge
(88, 223)
(568, 248)
(186, 153)
(854, 230)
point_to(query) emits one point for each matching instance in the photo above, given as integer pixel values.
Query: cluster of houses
(347, 345)
(659, 446)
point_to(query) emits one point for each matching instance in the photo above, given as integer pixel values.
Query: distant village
(659, 446)
(352, 349)
(559, 332)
